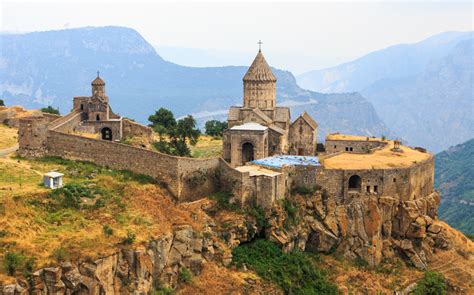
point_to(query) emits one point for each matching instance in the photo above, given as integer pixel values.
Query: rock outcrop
(128, 271)
(366, 227)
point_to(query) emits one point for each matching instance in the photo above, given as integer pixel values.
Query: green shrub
(161, 289)
(291, 212)
(129, 238)
(432, 283)
(294, 272)
(107, 230)
(185, 276)
(12, 262)
(60, 254)
(50, 110)
(70, 195)
(302, 190)
(223, 201)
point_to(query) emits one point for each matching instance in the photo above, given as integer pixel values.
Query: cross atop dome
(259, 45)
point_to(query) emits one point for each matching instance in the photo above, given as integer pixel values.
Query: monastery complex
(266, 155)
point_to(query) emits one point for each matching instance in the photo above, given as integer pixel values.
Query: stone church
(260, 128)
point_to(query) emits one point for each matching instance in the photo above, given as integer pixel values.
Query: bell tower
(259, 84)
(98, 88)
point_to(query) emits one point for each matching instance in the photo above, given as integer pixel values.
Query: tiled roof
(259, 70)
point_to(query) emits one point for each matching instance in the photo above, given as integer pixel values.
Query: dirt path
(7, 151)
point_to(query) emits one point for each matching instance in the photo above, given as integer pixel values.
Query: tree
(50, 110)
(215, 127)
(2, 103)
(163, 122)
(180, 133)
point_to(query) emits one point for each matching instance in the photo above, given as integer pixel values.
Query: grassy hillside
(454, 177)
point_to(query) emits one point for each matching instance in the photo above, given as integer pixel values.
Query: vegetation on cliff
(454, 178)
(295, 272)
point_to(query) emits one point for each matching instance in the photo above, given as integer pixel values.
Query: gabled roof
(305, 116)
(276, 129)
(282, 114)
(234, 112)
(259, 70)
(262, 115)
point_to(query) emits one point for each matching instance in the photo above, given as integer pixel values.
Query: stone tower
(259, 85)
(98, 88)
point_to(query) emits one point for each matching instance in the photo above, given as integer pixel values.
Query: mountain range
(48, 68)
(454, 179)
(422, 91)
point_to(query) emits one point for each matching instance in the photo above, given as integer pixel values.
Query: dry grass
(8, 136)
(352, 279)
(379, 159)
(33, 229)
(207, 147)
(216, 279)
(457, 263)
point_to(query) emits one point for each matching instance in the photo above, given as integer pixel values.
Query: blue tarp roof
(279, 161)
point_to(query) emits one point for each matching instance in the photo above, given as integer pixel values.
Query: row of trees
(175, 135)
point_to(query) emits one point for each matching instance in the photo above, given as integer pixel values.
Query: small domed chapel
(260, 128)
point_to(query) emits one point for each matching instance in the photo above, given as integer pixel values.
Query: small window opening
(394, 180)
(97, 118)
(376, 188)
(82, 107)
(368, 188)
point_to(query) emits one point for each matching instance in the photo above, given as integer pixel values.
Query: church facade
(260, 128)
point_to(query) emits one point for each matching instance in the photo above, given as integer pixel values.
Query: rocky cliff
(367, 229)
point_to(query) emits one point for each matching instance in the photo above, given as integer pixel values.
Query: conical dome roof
(260, 70)
(98, 81)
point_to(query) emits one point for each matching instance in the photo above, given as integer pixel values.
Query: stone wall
(115, 126)
(302, 138)
(353, 146)
(67, 123)
(130, 128)
(402, 183)
(174, 171)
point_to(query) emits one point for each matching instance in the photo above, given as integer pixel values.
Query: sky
(297, 36)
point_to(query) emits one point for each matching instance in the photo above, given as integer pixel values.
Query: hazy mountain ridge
(435, 108)
(454, 178)
(396, 61)
(44, 68)
(422, 91)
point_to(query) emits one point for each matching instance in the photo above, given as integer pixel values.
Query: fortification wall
(173, 171)
(353, 146)
(401, 183)
(130, 128)
(66, 123)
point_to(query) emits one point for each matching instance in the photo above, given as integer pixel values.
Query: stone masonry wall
(354, 146)
(174, 171)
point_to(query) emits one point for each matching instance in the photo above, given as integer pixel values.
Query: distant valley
(47, 68)
(422, 91)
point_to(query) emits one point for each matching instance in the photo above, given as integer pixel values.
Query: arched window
(82, 107)
(355, 183)
(97, 118)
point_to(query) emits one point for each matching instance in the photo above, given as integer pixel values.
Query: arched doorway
(355, 183)
(106, 133)
(247, 152)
